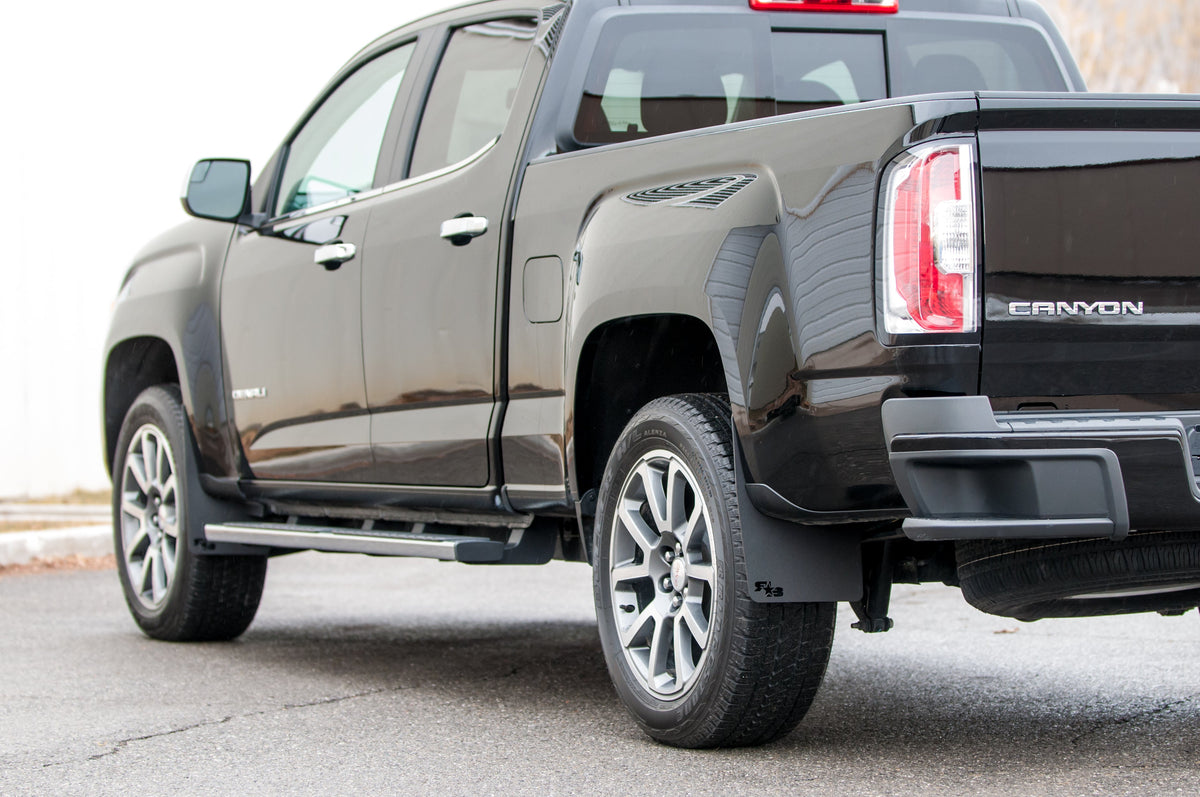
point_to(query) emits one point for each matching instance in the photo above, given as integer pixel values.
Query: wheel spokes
(656, 496)
(630, 571)
(697, 571)
(632, 632)
(685, 667)
(150, 516)
(662, 573)
(660, 649)
(637, 528)
(677, 490)
(692, 613)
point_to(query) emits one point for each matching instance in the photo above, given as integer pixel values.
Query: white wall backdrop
(105, 108)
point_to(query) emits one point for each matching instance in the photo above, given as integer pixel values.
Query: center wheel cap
(679, 577)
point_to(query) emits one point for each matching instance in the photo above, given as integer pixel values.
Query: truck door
(291, 290)
(432, 270)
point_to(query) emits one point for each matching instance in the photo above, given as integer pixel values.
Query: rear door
(430, 295)
(1092, 253)
(291, 325)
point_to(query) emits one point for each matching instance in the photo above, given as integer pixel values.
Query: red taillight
(929, 242)
(860, 6)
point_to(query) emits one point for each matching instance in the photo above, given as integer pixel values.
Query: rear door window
(472, 93)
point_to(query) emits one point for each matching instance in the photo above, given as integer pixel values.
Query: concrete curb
(19, 547)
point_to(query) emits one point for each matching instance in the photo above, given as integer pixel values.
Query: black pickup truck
(754, 305)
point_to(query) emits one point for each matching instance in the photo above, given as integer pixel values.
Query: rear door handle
(333, 255)
(459, 231)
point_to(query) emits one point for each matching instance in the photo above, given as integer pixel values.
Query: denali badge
(250, 393)
(1075, 308)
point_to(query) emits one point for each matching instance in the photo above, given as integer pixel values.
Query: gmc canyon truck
(757, 306)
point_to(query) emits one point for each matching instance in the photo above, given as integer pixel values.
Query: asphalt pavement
(377, 676)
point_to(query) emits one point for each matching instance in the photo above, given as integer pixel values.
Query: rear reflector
(859, 6)
(929, 256)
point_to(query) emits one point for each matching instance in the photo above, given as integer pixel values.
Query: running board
(448, 547)
(534, 545)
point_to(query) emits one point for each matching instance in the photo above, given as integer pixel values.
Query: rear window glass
(653, 75)
(928, 57)
(816, 70)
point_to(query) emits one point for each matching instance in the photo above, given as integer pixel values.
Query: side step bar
(527, 546)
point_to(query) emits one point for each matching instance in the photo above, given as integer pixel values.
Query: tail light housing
(929, 219)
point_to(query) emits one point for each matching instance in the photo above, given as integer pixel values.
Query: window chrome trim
(287, 218)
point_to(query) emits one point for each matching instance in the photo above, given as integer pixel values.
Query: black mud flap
(794, 563)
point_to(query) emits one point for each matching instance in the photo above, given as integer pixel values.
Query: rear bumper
(968, 473)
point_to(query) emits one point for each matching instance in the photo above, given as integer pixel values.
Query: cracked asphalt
(412, 677)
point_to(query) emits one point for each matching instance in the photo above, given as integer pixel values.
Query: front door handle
(333, 255)
(460, 230)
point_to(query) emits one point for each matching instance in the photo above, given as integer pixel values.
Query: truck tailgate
(1091, 220)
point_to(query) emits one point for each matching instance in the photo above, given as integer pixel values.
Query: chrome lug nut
(666, 583)
(668, 555)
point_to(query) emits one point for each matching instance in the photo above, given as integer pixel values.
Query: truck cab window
(650, 79)
(336, 152)
(473, 92)
(816, 70)
(970, 56)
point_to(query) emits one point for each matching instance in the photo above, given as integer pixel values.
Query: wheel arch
(669, 353)
(132, 366)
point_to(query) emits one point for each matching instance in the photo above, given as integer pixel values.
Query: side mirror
(218, 188)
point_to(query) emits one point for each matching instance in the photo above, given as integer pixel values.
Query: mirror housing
(218, 189)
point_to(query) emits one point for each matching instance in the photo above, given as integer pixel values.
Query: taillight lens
(861, 6)
(929, 260)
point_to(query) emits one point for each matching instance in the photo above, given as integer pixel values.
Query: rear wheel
(172, 593)
(696, 661)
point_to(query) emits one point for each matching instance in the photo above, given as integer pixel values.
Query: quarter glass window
(472, 93)
(337, 151)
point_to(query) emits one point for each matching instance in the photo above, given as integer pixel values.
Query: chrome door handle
(459, 231)
(333, 255)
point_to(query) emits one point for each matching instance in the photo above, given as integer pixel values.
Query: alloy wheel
(150, 515)
(662, 575)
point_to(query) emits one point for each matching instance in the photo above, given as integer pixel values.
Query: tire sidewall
(658, 427)
(159, 407)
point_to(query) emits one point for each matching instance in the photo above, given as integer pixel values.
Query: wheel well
(133, 365)
(627, 363)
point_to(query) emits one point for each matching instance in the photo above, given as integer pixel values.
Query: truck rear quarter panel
(780, 270)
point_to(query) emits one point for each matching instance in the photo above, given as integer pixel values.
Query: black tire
(751, 677)
(1036, 579)
(172, 593)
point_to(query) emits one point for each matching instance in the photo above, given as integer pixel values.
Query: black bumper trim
(968, 473)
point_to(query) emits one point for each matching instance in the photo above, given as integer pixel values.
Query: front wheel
(172, 593)
(697, 662)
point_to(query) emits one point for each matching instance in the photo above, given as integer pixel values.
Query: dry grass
(59, 565)
(44, 525)
(74, 498)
